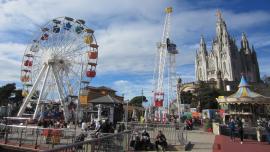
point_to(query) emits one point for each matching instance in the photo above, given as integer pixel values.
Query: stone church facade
(225, 61)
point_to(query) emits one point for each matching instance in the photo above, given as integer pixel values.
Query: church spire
(203, 46)
(245, 44)
(221, 29)
(219, 15)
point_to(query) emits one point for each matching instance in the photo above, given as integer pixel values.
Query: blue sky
(127, 32)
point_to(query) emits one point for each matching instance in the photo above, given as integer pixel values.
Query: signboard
(84, 100)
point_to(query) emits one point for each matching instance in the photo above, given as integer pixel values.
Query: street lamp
(179, 81)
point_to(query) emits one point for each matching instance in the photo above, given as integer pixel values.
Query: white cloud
(127, 31)
(10, 59)
(132, 89)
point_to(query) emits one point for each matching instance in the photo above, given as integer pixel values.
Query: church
(225, 62)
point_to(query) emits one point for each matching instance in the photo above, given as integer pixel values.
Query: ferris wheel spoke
(75, 53)
(67, 49)
(67, 44)
(69, 84)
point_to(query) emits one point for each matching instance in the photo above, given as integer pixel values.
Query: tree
(137, 101)
(207, 96)
(186, 97)
(5, 93)
(9, 94)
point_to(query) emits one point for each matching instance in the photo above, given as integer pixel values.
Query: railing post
(6, 134)
(20, 142)
(37, 132)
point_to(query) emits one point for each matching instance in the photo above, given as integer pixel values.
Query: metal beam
(32, 91)
(42, 90)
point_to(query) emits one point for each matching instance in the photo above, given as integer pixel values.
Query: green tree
(9, 94)
(137, 101)
(5, 93)
(186, 97)
(207, 95)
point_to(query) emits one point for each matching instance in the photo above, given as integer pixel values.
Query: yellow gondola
(24, 93)
(88, 39)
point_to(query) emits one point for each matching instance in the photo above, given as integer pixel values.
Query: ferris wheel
(63, 54)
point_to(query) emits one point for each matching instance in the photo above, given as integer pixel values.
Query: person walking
(268, 131)
(232, 129)
(240, 129)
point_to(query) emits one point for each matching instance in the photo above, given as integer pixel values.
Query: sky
(127, 32)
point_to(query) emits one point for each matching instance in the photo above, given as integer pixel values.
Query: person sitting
(161, 140)
(145, 140)
(136, 141)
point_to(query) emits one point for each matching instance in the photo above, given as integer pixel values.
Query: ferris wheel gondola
(63, 54)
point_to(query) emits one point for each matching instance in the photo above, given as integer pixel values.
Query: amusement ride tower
(164, 47)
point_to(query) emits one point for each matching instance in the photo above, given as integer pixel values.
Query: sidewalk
(224, 144)
(201, 141)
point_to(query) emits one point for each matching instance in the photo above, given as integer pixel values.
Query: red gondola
(91, 73)
(28, 63)
(25, 78)
(44, 36)
(94, 45)
(92, 55)
(159, 98)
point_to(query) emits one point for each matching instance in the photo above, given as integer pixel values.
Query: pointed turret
(252, 49)
(245, 45)
(203, 49)
(221, 29)
(243, 82)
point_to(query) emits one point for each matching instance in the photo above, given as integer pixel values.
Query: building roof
(106, 99)
(244, 91)
(245, 95)
(101, 88)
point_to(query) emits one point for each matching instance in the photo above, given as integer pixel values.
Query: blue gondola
(67, 26)
(56, 21)
(79, 29)
(56, 29)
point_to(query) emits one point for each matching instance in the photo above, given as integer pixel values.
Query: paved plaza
(208, 142)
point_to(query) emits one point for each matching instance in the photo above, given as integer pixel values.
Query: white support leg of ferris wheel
(27, 99)
(41, 92)
(60, 93)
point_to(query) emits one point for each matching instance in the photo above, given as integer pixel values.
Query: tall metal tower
(172, 80)
(161, 61)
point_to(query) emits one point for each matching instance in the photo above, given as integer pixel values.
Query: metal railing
(35, 137)
(118, 142)
(174, 132)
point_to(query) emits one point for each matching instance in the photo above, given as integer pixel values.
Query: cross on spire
(218, 14)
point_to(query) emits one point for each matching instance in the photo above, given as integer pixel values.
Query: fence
(118, 142)
(174, 132)
(35, 137)
(56, 140)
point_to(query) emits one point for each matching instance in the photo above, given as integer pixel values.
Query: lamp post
(126, 113)
(179, 81)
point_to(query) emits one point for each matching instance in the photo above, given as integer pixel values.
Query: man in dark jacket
(232, 129)
(268, 131)
(161, 140)
(240, 129)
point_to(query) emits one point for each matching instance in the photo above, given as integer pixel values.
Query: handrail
(86, 142)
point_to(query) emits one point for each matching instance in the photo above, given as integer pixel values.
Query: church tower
(249, 61)
(224, 61)
(201, 61)
(223, 50)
